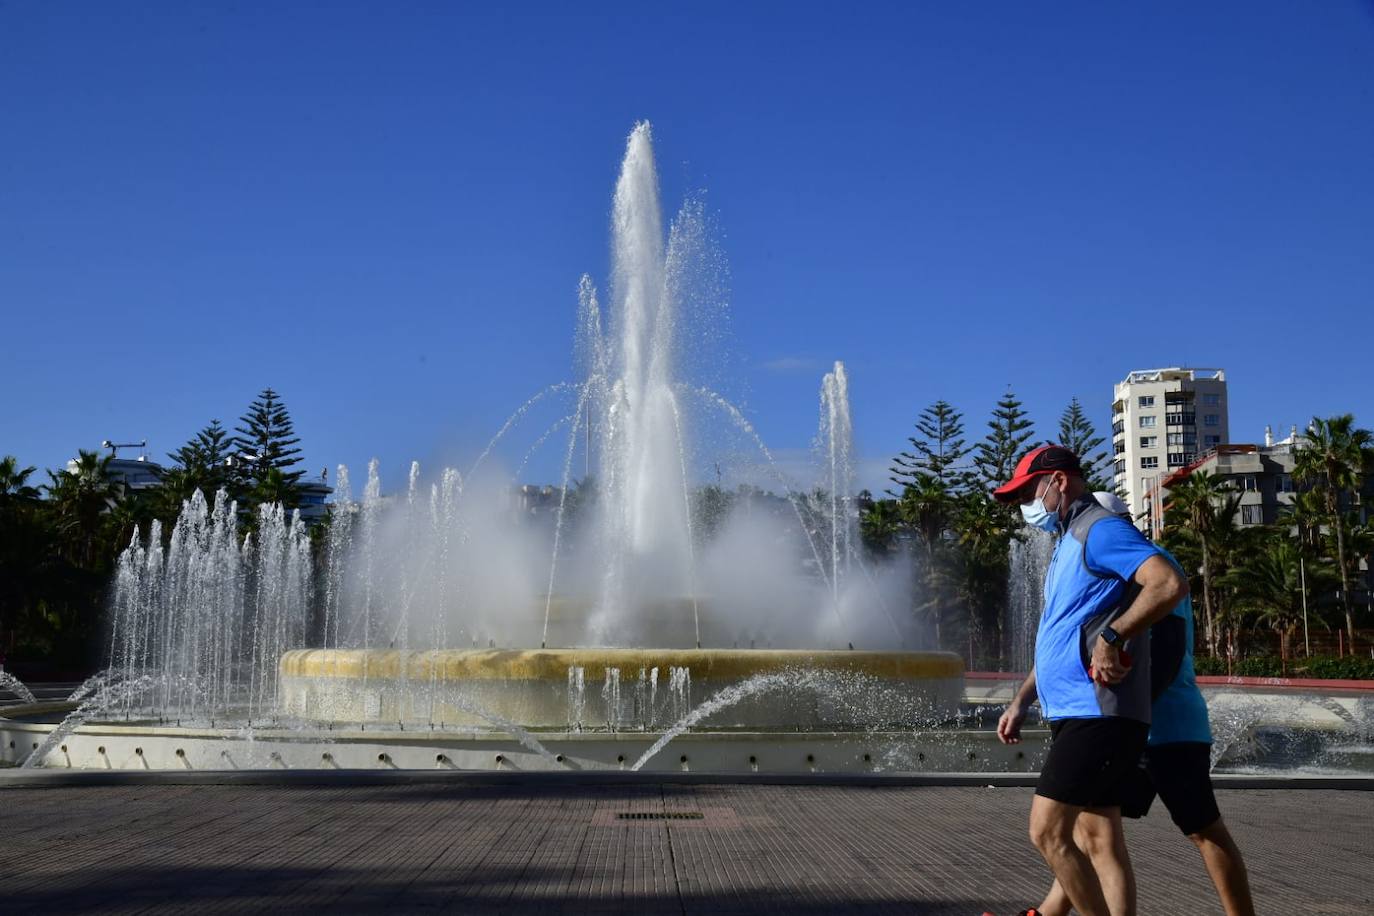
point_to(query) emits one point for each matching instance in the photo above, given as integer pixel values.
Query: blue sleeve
(1117, 547)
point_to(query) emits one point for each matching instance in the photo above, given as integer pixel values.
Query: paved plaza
(544, 847)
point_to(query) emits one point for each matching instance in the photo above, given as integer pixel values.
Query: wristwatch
(1112, 637)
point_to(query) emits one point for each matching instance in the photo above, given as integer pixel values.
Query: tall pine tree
(197, 465)
(265, 441)
(206, 452)
(1009, 432)
(937, 452)
(1077, 434)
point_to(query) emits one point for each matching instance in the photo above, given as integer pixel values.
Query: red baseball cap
(1038, 461)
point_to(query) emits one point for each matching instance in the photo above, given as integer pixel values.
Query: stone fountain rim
(553, 664)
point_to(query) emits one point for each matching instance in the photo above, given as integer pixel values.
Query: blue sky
(383, 210)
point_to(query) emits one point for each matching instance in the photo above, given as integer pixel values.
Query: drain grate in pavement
(659, 816)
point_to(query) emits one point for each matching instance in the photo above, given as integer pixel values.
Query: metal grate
(659, 816)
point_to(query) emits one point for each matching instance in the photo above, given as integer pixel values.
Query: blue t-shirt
(1180, 713)
(1097, 555)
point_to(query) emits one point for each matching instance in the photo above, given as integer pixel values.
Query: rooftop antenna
(114, 447)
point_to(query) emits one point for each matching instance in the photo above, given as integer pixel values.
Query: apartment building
(1260, 475)
(1162, 420)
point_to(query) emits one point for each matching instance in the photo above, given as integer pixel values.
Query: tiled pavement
(563, 849)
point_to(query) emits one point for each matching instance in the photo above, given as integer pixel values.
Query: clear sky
(382, 210)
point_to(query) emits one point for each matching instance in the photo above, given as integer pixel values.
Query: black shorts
(1091, 761)
(1181, 775)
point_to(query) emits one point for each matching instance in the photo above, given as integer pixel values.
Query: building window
(1249, 483)
(1212, 440)
(1283, 483)
(1178, 459)
(1149, 441)
(1146, 400)
(1211, 419)
(1211, 400)
(1149, 462)
(1147, 422)
(1120, 466)
(1252, 515)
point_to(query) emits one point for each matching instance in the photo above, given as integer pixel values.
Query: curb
(66, 779)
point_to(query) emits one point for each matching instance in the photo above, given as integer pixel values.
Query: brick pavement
(561, 849)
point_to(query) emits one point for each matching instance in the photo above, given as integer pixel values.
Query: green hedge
(1351, 667)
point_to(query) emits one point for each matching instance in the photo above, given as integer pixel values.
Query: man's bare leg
(1052, 832)
(1225, 867)
(1099, 834)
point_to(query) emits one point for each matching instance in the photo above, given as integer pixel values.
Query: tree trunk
(1334, 508)
(1207, 598)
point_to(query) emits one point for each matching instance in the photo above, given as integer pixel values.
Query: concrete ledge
(52, 779)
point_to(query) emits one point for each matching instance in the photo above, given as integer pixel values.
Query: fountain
(630, 614)
(629, 619)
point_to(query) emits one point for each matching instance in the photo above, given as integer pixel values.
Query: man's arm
(1009, 725)
(1162, 587)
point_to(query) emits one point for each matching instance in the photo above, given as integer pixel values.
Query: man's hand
(1107, 665)
(1009, 726)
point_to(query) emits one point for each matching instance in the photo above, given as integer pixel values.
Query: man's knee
(1214, 834)
(1095, 836)
(1051, 826)
(1050, 839)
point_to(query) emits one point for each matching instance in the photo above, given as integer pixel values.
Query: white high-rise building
(1163, 420)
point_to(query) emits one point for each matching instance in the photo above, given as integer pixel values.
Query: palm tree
(879, 525)
(14, 485)
(1268, 583)
(80, 496)
(925, 509)
(1208, 513)
(1333, 459)
(985, 529)
(20, 544)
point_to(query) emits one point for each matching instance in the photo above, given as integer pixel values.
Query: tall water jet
(836, 444)
(644, 513)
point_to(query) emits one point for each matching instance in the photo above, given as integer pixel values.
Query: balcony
(1118, 427)
(1180, 419)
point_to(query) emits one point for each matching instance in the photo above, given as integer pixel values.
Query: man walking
(1105, 587)
(1176, 765)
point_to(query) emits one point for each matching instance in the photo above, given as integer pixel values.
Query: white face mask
(1037, 516)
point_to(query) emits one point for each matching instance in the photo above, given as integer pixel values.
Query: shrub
(1351, 667)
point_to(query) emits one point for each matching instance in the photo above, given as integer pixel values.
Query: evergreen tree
(206, 451)
(1076, 433)
(938, 450)
(1009, 432)
(265, 442)
(198, 465)
(265, 439)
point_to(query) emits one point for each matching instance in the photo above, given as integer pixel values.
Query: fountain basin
(147, 746)
(622, 689)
